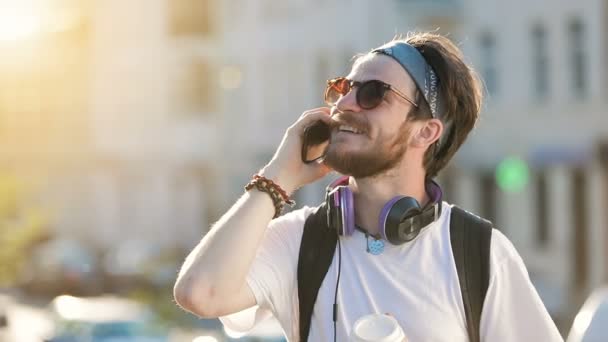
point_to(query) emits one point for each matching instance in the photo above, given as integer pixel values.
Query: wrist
(280, 178)
(278, 195)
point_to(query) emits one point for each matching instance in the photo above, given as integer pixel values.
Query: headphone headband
(421, 72)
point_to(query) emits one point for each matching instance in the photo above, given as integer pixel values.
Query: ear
(427, 133)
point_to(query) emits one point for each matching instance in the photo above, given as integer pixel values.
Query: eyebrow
(402, 95)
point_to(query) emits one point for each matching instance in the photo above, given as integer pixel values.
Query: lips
(349, 123)
(349, 129)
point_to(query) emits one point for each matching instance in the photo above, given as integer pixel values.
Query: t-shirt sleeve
(513, 310)
(272, 277)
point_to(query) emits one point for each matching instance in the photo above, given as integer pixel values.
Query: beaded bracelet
(278, 195)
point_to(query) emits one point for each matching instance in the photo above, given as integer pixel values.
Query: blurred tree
(22, 226)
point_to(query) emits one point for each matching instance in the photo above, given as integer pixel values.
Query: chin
(362, 162)
(344, 151)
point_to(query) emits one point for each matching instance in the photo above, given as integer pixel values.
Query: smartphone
(315, 136)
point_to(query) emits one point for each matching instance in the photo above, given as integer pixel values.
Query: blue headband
(416, 66)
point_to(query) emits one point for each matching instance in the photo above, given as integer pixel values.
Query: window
(488, 197)
(487, 44)
(191, 17)
(542, 209)
(197, 89)
(578, 58)
(580, 228)
(540, 60)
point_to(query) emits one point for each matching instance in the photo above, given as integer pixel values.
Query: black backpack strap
(316, 254)
(470, 237)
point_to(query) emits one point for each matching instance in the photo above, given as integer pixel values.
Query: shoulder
(295, 218)
(502, 249)
(503, 253)
(289, 227)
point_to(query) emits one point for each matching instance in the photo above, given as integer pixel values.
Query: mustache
(354, 120)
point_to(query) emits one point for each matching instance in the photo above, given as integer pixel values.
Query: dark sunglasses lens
(370, 94)
(335, 89)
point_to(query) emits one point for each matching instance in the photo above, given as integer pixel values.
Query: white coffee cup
(377, 328)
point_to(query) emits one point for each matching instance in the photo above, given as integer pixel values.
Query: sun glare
(24, 19)
(19, 19)
(17, 27)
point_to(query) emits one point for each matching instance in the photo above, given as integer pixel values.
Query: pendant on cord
(374, 246)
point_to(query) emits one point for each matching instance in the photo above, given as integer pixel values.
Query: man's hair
(461, 92)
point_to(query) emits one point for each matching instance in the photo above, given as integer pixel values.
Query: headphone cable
(335, 308)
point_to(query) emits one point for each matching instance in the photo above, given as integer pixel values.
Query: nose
(348, 102)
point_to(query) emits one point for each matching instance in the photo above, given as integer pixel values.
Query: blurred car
(130, 264)
(62, 265)
(591, 322)
(104, 319)
(5, 301)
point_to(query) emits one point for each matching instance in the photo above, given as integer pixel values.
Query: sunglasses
(369, 93)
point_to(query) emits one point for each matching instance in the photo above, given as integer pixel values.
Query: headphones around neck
(401, 218)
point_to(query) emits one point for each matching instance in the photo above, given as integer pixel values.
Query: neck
(371, 194)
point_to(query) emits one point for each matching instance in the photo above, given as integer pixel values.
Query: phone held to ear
(314, 142)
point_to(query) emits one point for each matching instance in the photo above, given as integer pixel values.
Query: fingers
(312, 116)
(326, 110)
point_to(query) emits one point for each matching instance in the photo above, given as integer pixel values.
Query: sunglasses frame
(356, 84)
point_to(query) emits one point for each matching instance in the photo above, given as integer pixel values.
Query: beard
(383, 155)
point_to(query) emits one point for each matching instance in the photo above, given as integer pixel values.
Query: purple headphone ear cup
(334, 217)
(394, 217)
(348, 211)
(384, 215)
(340, 213)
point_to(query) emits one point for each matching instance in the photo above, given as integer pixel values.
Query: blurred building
(109, 112)
(534, 164)
(154, 113)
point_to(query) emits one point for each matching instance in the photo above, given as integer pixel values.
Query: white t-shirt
(415, 282)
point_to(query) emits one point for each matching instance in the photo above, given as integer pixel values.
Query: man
(396, 120)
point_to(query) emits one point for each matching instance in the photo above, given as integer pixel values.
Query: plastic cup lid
(378, 328)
